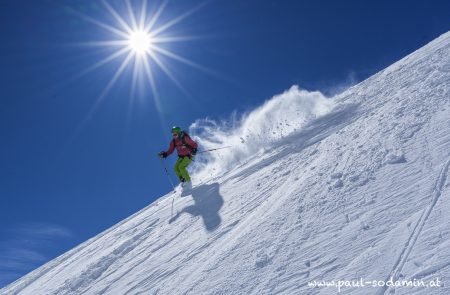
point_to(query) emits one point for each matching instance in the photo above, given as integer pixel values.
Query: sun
(139, 47)
(140, 42)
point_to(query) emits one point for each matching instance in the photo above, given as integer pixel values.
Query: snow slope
(361, 192)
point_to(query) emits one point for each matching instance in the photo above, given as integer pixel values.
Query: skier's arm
(171, 148)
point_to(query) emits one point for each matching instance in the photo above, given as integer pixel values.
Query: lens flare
(140, 42)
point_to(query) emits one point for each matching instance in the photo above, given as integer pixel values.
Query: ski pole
(167, 173)
(225, 147)
(173, 186)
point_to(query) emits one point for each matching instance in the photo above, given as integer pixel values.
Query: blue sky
(69, 170)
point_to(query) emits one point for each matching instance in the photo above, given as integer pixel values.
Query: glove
(193, 151)
(162, 154)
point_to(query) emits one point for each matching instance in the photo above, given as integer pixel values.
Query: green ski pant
(180, 168)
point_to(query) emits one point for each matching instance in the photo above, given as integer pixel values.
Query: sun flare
(140, 42)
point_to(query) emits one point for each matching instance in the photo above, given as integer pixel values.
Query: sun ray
(132, 99)
(154, 17)
(119, 19)
(149, 73)
(131, 15)
(184, 60)
(167, 71)
(156, 97)
(191, 63)
(107, 43)
(100, 24)
(170, 39)
(104, 61)
(101, 97)
(113, 80)
(176, 20)
(134, 78)
(143, 14)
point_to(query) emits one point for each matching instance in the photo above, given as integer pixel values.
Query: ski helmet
(176, 129)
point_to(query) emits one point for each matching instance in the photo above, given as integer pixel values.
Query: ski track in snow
(437, 189)
(359, 192)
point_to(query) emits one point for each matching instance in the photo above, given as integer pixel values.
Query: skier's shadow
(207, 203)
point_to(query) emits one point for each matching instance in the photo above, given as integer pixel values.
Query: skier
(186, 149)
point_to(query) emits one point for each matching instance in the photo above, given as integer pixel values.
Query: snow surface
(359, 192)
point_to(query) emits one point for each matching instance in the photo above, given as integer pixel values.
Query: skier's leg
(182, 168)
(177, 169)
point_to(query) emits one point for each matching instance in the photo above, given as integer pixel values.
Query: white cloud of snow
(337, 88)
(255, 131)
